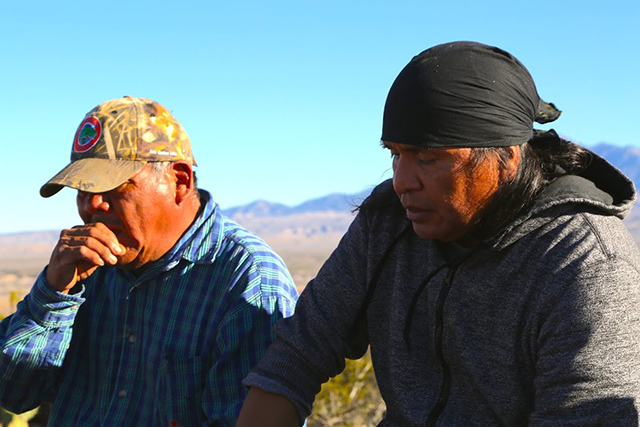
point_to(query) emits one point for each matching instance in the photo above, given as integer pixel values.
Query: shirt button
(122, 393)
(132, 339)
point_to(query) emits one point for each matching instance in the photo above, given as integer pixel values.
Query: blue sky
(283, 100)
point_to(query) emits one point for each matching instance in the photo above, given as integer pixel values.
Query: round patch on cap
(87, 135)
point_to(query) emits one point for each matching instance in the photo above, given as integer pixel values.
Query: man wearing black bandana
(492, 278)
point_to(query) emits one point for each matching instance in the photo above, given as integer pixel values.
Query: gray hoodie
(538, 326)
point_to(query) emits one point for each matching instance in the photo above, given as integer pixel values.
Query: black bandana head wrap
(464, 94)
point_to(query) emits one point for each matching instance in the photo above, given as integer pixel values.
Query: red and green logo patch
(87, 135)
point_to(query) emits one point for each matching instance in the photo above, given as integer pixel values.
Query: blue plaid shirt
(167, 348)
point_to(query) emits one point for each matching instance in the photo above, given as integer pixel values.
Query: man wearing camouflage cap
(153, 310)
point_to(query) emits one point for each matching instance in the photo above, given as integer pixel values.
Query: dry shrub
(351, 399)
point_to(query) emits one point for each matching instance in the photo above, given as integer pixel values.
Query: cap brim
(92, 175)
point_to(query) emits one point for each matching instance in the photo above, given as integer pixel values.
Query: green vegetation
(351, 399)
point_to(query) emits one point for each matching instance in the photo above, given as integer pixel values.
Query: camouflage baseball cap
(115, 140)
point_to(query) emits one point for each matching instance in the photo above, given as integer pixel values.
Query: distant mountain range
(335, 202)
(332, 213)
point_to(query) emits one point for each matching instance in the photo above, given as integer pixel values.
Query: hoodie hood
(600, 188)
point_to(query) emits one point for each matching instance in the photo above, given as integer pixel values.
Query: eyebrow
(409, 148)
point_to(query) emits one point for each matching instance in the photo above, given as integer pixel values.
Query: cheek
(486, 184)
(475, 192)
(447, 196)
(454, 209)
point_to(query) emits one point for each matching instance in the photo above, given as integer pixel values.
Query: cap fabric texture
(115, 140)
(464, 94)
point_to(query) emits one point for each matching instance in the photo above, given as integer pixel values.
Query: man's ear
(183, 174)
(511, 165)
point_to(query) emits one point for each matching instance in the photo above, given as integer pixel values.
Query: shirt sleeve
(262, 292)
(588, 358)
(311, 346)
(33, 344)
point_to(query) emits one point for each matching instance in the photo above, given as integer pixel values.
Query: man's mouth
(415, 213)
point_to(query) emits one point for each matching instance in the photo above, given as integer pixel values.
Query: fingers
(79, 251)
(93, 242)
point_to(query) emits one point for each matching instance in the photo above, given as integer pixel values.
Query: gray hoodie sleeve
(588, 359)
(311, 346)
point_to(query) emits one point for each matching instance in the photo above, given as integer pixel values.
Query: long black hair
(543, 159)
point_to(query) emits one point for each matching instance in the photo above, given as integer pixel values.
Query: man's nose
(92, 203)
(404, 176)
